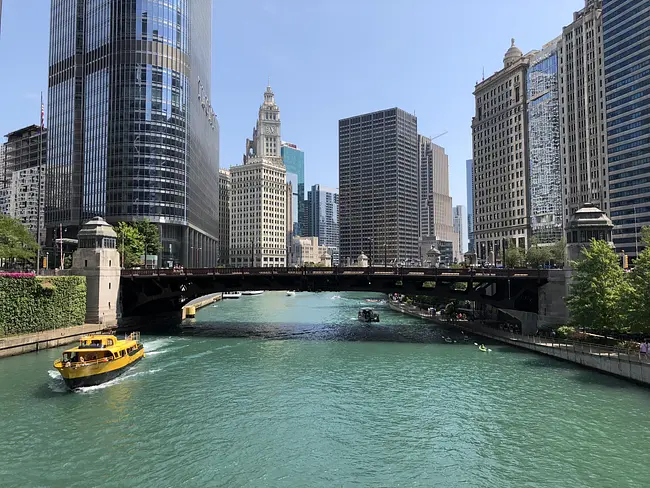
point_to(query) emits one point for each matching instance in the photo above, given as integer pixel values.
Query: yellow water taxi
(98, 359)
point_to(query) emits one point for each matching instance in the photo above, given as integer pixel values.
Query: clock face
(270, 130)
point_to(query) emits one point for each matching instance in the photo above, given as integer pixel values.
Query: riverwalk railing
(567, 345)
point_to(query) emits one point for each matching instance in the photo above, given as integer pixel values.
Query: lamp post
(636, 236)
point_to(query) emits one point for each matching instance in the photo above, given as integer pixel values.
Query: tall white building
(460, 227)
(258, 220)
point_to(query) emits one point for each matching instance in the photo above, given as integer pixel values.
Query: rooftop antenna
(483, 74)
(439, 135)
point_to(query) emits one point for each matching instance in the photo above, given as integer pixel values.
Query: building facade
(435, 202)
(626, 36)
(544, 164)
(22, 178)
(500, 147)
(132, 134)
(469, 178)
(459, 214)
(582, 139)
(323, 218)
(224, 216)
(308, 250)
(294, 161)
(258, 219)
(378, 186)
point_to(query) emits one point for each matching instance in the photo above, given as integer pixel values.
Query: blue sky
(326, 60)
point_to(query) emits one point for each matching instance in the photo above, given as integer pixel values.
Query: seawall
(20, 344)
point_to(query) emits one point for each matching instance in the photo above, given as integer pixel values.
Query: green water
(276, 391)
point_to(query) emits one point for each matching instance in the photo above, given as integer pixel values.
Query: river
(277, 391)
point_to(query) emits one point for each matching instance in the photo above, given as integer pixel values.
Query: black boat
(368, 315)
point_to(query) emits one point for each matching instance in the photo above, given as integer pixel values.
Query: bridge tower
(98, 260)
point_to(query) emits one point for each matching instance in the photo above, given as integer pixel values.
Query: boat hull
(97, 379)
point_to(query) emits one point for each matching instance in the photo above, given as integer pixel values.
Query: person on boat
(81, 359)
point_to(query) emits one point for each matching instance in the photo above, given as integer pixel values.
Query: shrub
(33, 304)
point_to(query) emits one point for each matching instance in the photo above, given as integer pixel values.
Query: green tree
(558, 252)
(639, 300)
(130, 244)
(599, 291)
(16, 243)
(514, 257)
(537, 255)
(150, 235)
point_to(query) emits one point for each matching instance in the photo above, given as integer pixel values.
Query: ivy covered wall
(33, 304)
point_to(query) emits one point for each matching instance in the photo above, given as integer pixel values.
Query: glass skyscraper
(132, 134)
(544, 163)
(294, 161)
(323, 218)
(626, 44)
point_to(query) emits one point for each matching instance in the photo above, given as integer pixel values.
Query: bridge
(147, 291)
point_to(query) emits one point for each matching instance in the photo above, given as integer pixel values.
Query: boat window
(109, 342)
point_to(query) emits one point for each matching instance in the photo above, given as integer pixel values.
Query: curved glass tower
(132, 133)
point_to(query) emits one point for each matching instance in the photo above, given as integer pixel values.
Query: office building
(626, 37)
(323, 218)
(294, 161)
(224, 217)
(544, 166)
(22, 188)
(459, 214)
(582, 137)
(469, 177)
(500, 146)
(258, 219)
(132, 134)
(435, 202)
(378, 186)
(308, 250)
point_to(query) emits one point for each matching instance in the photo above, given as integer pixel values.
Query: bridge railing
(437, 273)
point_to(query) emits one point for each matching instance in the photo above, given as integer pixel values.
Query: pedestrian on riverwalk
(643, 350)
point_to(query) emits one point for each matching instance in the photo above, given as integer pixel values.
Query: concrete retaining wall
(19, 344)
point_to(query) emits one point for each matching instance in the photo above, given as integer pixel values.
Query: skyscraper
(378, 185)
(435, 202)
(582, 137)
(627, 85)
(544, 166)
(469, 176)
(460, 227)
(499, 133)
(258, 202)
(294, 161)
(224, 216)
(21, 158)
(323, 212)
(132, 134)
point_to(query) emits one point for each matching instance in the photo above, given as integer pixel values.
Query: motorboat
(291, 293)
(368, 315)
(231, 294)
(98, 359)
(259, 292)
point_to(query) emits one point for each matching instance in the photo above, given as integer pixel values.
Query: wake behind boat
(98, 359)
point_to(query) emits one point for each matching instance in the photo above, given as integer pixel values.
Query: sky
(326, 60)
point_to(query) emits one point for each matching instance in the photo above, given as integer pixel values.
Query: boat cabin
(101, 348)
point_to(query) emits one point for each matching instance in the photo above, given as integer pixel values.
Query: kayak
(481, 348)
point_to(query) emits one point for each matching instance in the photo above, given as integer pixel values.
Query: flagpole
(40, 196)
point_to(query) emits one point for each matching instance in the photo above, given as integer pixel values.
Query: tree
(130, 244)
(558, 252)
(16, 243)
(537, 256)
(639, 300)
(599, 290)
(514, 257)
(150, 235)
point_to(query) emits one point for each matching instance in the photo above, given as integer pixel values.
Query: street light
(636, 236)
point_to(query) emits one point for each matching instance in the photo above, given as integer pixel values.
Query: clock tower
(267, 139)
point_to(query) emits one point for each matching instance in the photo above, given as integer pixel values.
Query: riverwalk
(607, 359)
(22, 343)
